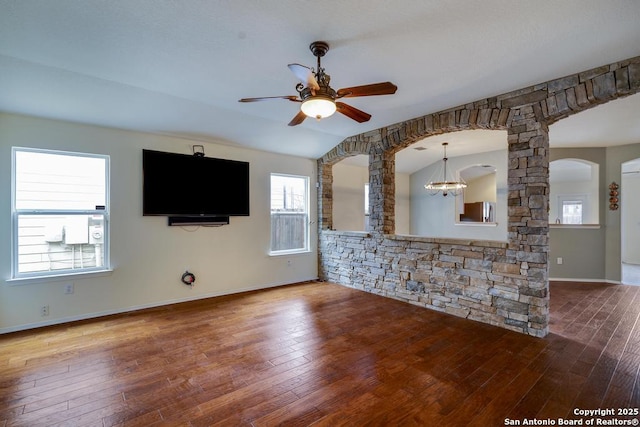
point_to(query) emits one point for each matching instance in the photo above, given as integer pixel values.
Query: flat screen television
(187, 185)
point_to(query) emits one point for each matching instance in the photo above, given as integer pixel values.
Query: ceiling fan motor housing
(324, 91)
(319, 48)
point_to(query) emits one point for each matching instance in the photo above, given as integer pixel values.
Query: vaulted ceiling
(179, 67)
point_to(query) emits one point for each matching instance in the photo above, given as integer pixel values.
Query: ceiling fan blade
(264, 98)
(386, 88)
(352, 112)
(305, 75)
(299, 118)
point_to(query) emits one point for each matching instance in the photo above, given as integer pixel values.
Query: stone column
(382, 192)
(528, 200)
(325, 196)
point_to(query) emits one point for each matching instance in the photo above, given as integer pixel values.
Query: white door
(630, 206)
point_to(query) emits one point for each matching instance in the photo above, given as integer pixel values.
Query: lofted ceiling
(179, 67)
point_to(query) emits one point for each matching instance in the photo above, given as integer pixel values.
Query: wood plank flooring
(324, 355)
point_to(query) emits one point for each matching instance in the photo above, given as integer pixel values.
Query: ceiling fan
(319, 100)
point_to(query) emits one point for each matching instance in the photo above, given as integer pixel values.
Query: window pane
(572, 212)
(59, 181)
(60, 242)
(289, 213)
(288, 194)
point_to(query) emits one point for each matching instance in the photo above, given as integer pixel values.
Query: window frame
(307, 233)
(17, 213)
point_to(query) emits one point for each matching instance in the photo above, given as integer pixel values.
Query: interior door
(630, 206)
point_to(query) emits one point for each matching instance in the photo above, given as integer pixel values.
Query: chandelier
(447, 185)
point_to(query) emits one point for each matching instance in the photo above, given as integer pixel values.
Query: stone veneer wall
(500, 283)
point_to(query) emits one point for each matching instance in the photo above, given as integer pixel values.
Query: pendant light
(447, 185)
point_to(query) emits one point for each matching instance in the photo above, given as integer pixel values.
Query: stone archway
(501, 283)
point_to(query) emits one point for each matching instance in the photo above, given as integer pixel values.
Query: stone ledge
(448, 241)
(346, 233)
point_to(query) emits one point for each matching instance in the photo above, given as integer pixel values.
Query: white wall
(403, 203)
(148, 256)
(435, 216)
(481, 189)
(348, 198)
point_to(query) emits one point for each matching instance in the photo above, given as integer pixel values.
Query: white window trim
(85, 274)
(16, 276)
(289, 252)
(307, 243)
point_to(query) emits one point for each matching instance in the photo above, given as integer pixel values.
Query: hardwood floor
(631, 274)
(324, 355)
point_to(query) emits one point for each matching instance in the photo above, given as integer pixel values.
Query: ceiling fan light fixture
(318, 107)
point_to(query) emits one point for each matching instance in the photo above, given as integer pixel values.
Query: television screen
(180, 184)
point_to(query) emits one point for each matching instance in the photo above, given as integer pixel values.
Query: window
(60, 213)
(572, 212)
(289, 213)
(573, 209)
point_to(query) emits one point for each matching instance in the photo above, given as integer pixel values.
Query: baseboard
(142, 307)
(564, 279)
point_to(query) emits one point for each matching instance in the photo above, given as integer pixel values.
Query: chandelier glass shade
(318, 107)
(448, 185)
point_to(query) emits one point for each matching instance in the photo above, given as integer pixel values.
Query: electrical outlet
(559, 260)
(288, 263)
(68, 288)
(44, 310)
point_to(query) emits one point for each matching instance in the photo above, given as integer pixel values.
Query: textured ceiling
(179, 68)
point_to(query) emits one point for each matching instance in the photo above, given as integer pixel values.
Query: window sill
(576, 226)
(477, 224)
(58, 277)
(291, 252)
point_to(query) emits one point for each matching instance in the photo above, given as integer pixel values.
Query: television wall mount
(198, 150)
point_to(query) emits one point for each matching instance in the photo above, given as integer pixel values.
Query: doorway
(630, 222)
